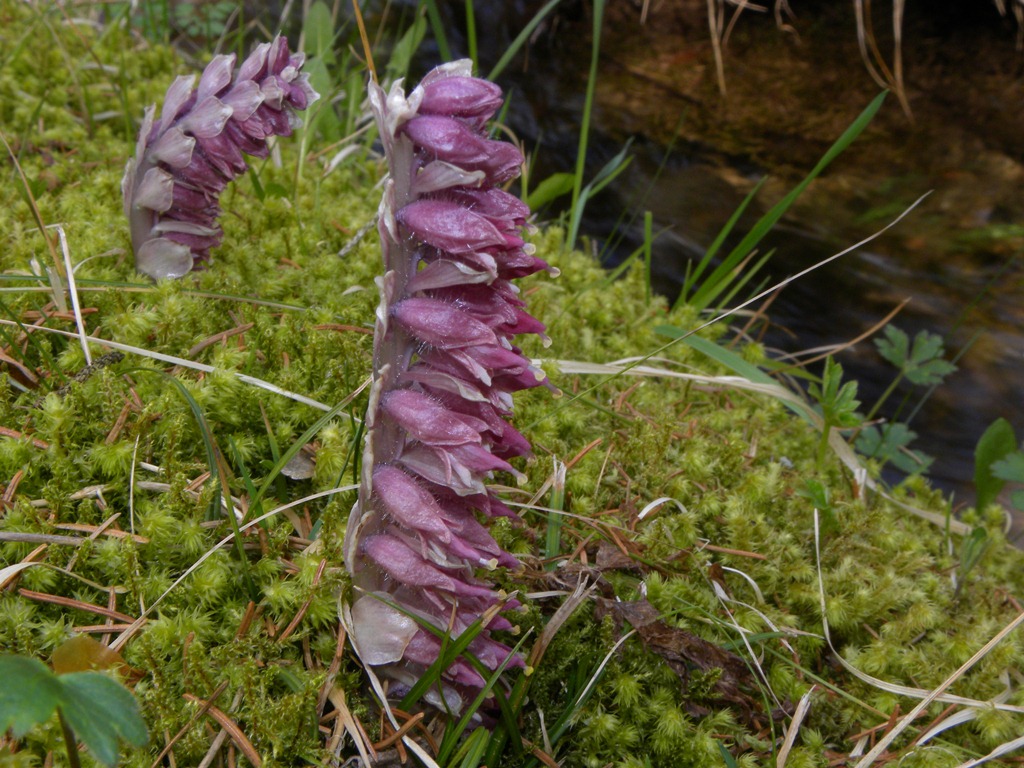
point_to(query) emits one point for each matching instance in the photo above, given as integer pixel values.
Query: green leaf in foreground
(998, 442)
(29, 694)
(96, 707)
(101, 711)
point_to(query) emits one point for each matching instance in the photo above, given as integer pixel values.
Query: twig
(188, 726)
(69, 602)
(40, 538)
(231, 727)
(8, 432)
(219, 337)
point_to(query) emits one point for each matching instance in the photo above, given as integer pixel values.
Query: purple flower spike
(445, 366)
(184, 160)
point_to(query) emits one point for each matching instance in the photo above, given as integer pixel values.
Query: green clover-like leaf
(101, 711)
(890, 445)
(1010, 468)
(894, 347)
(28, 695)
(921, 363)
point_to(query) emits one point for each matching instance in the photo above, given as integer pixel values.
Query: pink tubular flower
(444, 371)
(185, 159)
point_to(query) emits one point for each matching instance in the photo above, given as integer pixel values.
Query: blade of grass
(604, 177)
(693, 272)
(521, 39)
(73, 292)
(588, 108)
(471, 31)
(437, 27)
(30, 199)
(473, 749)
(564, 720)
(451, 737)
(553, 536)
(217, 470)
(648, 241)
(718, 279)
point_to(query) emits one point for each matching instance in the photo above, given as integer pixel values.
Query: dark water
(969, 294)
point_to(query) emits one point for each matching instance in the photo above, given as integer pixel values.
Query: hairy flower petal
(409, 502)
(428, 421)
(441, 325)
(465, 97)
(448, 139)
(408, 567)
(449, 226)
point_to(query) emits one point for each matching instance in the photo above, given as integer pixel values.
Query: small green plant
(837, 401)
(922, 364)
(996, 445)
(90, 704)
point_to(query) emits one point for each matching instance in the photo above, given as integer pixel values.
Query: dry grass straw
(802, 708)
(886, 76)
(872, 57)
(926, 697)
(185, 363)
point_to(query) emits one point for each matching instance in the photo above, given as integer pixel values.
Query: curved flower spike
(444, 369)
(184, 160)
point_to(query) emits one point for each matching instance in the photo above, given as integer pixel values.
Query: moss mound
(221, 377)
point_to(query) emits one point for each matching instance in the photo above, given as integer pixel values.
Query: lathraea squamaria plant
(185, 159)
(444, 370)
